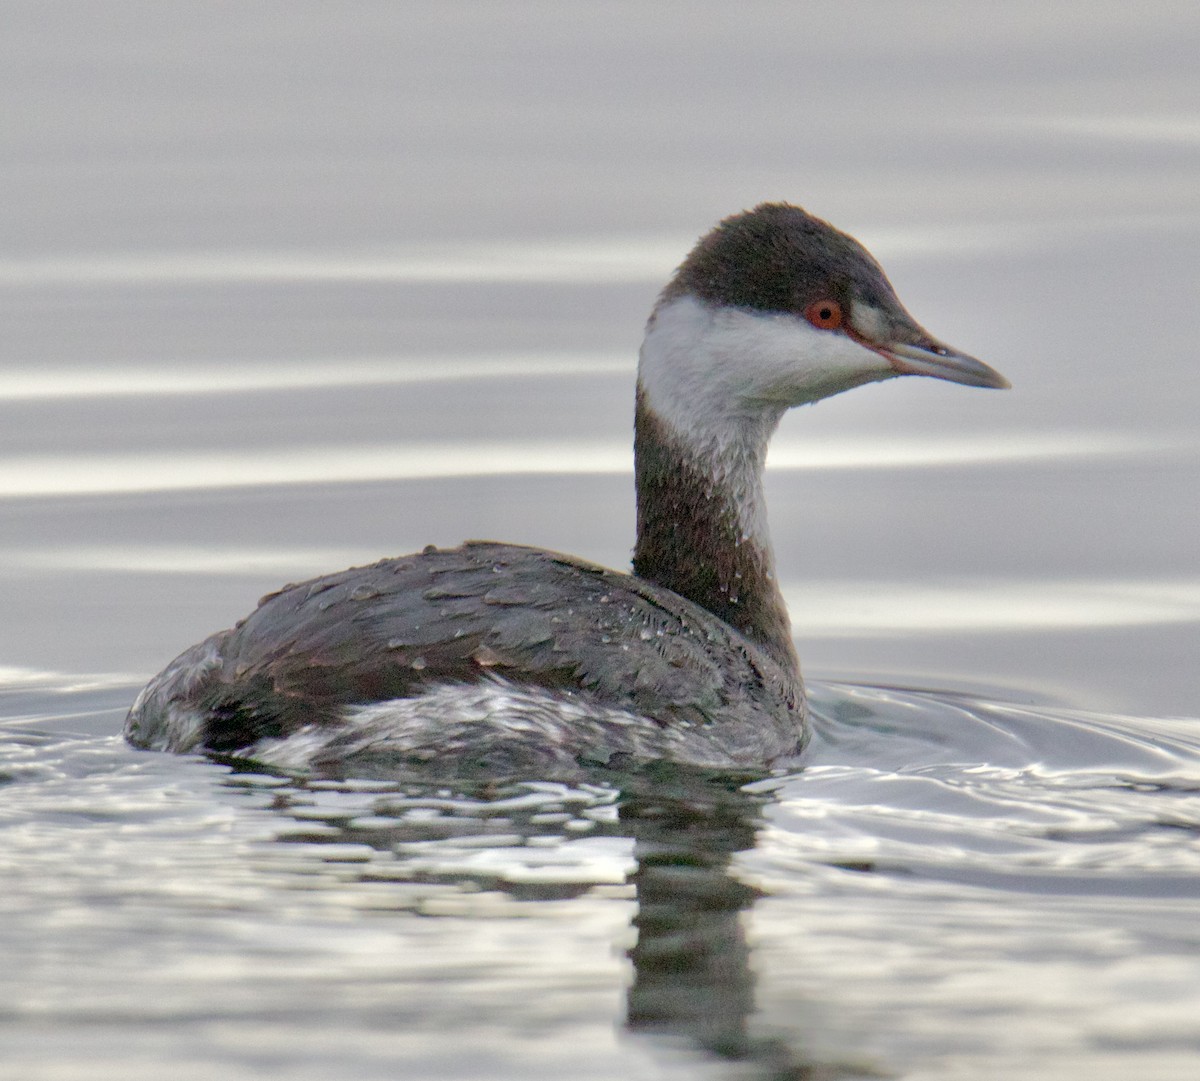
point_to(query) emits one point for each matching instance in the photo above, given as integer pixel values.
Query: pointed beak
(930, 357)
(911, 350)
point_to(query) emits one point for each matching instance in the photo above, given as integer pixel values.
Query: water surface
(952, 887)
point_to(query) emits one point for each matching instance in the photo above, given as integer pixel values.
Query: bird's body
(546, 657)
(503, 658)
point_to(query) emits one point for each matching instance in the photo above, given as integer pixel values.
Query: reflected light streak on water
(1180, 130)
(155, 559)
(105, 473)
(606, 260)
(191, 377)
(832, 608)
(591, 261)
(844, 608)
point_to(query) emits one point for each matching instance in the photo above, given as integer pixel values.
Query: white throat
(709, 370)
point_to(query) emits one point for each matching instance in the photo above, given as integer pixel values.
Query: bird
(505, 659)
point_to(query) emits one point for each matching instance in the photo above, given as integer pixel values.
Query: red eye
(824, 314)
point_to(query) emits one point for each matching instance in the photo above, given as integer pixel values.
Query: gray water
(287, 287)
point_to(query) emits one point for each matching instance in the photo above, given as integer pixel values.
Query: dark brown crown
(779, 258)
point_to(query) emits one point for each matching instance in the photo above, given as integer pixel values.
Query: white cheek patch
(704, 369)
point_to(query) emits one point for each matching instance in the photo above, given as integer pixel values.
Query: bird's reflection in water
(691, 962)
(692, 988)
(693, 980)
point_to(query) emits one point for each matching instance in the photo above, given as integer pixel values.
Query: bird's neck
(702, 524)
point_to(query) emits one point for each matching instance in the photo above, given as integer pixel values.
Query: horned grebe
(501, 657)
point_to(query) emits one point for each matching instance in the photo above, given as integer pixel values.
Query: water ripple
(946, 870)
